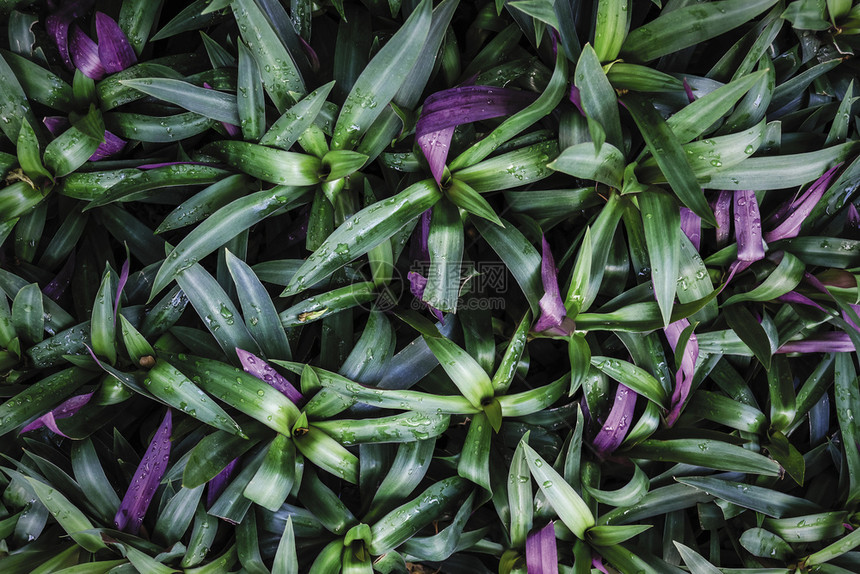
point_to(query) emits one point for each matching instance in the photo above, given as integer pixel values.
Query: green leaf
(217, 310)
(363, 231)
(29, 156)
(274, 479)
(518, 122)
(70, 518)
(750, 331)
(103, 323)
(176, 516)
(464, 371)
(809, 528)
(28, 314)
(215, 451)
(624, 76)
(326, 304)
(692, 120)
(603, 535)
(511, 169)
(13, 101)
(136, 19)
(403, 522)
(787, 456)
(759, 542)
(598, 97)
(41, 396)
(466, 198)
(327, 454)
(250, 97)
(518, 255)
(277, 67)
(404, 427)
(69, 151)
(286, 560)
(90, 476)
(780, 171)
(670, 156)
(212, 104)
(611, 28)
(229, 220)
(240, 390)
(520, 497)
(381, 79)
(838, 548)
(272, 165)
(474, 462)
(781, 280)
(724, 410)
(662, 223)
(689, 25)
(847, 397)
(445, 245)
(287, 130)
(175, 389)
(341, 163)
(605, 165)
(637, 378)
(705, 452)
(694, 561)
(135, 343)
(569, 506)
(627, 495)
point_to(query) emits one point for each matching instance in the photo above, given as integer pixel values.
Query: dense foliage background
(407, 286)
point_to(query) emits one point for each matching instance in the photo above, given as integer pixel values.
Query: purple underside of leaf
(684, 376)
(123, 279)
(417, 285)
(418, 249)
(146, 478)
(300, 231)
(597, 562)
(824, 343)
(311, 54)
(445, 110)
(541, 551)
(112, 145)
(56, 124)
(85, 55)
(65, 410)
(795, 297)
(576, 99)
(58, 285)
(262, 370)
(57, 25)
(551, 304)
(800, 208)
(691, 225)
(748, 226)
(852, 221)
(435, 146)
(115, 53)
(617, 423)
(722, 213)
(217, 485)
(689, 91)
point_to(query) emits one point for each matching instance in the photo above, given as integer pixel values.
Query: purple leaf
(85, 55)
(691, 225)
(800, 208)
(689, 91)
(311, 54)
(57, 25)
(445, 110)
(748, 227)
(55, 289)
(112, 145)
(597, 562)
(551, 304)
(115, 52)
(795, 297)
(123, 278)
(217, 485)
(65, 410)
(617, 423)
(419, 249)
(417, 284)
(847, 317)
(259, 368)
(853, 219)
(576, 99)
(435, 146)
(684, 376)
(825, 343)
(721, 212)
(56, 124)
(541, 551)
(146, 478)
